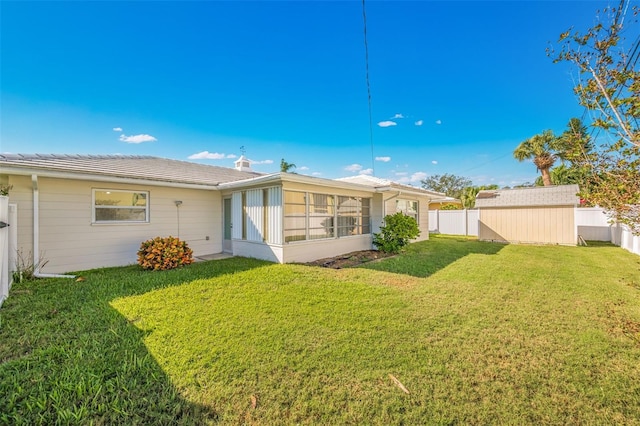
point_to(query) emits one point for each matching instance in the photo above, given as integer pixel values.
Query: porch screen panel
(254, 215)
(236, 215)
(321, 216)
(274, 215)
(295, 216)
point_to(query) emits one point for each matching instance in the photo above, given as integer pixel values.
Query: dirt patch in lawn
(349, 260)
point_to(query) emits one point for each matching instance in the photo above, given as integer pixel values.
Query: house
(537, 215)
(88, 211)
(443, 200)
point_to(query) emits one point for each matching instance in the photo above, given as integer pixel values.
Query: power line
(366, 62)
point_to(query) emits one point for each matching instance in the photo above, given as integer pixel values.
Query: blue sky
(455, 85)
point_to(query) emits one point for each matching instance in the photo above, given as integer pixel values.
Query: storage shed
(538, 215)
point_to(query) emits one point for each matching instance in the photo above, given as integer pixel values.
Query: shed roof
(560, 195)
(125, 166)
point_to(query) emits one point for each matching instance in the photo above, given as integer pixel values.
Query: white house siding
(423, 219)
(22, 196)
(236, 215)
(307, 251)
(70, 242)
(531, 225)
(254, 215)
(377, 212)
(271, 252)
(423, 211)
(274, 215)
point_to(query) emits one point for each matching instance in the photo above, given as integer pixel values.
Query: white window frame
(360, 226)
(416, 216)
(94, 206)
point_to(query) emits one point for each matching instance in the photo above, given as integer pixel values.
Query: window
(408, 207)
(321, 212)
(309, 216)
(353, 216)
(120, 206)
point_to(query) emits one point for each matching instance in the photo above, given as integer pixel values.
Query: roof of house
(125, 166)
(379, 183)
(561, 195)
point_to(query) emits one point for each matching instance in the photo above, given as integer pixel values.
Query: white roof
(379, 184)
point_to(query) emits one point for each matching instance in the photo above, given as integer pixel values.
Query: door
(226, 219)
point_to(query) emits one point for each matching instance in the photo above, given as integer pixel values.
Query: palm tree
(286, 167)
(544, 149)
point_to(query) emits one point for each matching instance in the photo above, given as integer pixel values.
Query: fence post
(466, 222)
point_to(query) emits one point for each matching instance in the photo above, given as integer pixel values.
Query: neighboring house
(443, 200)
(81, 211)
(538, 215)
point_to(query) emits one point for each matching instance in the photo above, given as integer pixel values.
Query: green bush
(397, 231)
(450, 206)
(164, 253)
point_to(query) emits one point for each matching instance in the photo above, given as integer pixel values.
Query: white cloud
(438, 121)
(353, 168)
(316, 174)
(419, 123)
(366, 172)
(434, 162)
(208, 155)
(383, 159)
(387, 123)
(231, 156)
(401, 173)
(414, 178)
(137, 138)
(117, 129)
(303, 168)
(418, 176)
(398, 116)
(262, 162)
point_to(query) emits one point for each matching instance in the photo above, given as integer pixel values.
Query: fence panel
(454, 222)
(593, 224)
(626, 240)
(4, 249)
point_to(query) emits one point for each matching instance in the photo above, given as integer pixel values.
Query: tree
(576, 154)
(449, 184)
(544, 149)
(608, 86)
(469, 194)
(286, 167)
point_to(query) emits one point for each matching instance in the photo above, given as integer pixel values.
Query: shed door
(226, 218)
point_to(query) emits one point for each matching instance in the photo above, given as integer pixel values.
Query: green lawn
(477, 333)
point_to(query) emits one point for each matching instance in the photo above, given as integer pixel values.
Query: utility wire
(366, 62)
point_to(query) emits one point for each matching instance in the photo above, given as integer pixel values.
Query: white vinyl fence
(454, 222)
(8, 242)
(592, 225)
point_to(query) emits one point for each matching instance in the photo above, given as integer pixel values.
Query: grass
(477, 332)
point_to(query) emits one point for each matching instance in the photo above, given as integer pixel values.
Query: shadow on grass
(425, 258)
(66, 356)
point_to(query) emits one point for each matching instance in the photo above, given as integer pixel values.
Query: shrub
(397, 231)
(164, 253)
(25, 268)
(450, 206)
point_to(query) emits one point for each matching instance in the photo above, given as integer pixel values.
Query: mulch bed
(348, 260)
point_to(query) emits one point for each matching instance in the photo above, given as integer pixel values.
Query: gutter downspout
(384, 203)
(36, 234)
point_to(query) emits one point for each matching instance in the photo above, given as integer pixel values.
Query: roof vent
(243, 164)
